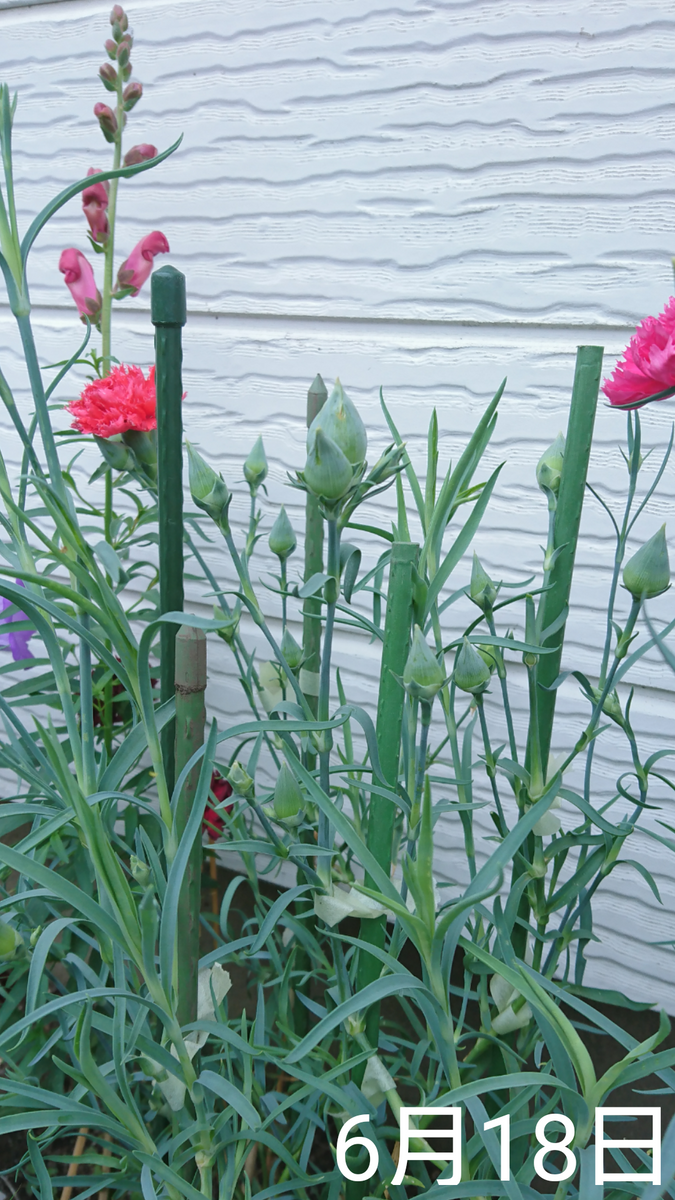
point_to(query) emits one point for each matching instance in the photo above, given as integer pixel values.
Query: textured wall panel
(426, 196)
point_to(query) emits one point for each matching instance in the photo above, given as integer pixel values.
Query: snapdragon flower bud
(471, 673)
(208, 489)
(111, 48)
(481, 589)
(124, 51)
(549, 467)
(288, 799)
(327, 472)
(282, 539)
(340, 421)
(108, 76)
(119, 17)
(647, 573)
(131, 95)
(11, 942)
(140, 153)
(291, 651)
(255, 467)
(107, 120)
(422, 676)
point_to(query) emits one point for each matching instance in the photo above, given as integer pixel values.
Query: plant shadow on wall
(365, 990)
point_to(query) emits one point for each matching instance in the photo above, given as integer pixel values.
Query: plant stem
(311, 609)
(109, 258)
(332, 593)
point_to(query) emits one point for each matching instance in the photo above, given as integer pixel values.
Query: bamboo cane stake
(190, 685)
(78, 1151)
(168, 313)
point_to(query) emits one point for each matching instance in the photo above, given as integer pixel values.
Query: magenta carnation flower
(125, 399)
(646, 370)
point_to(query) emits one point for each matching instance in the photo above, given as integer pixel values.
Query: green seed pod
(340, 421)
(288, 799)
(481, 589)
(647, 573)
(11, 942)
(239, 779)
(471, 673)
(255, 467)
(291, 651)
(139, 870)
(282, 539)
(208, 489)
(422, 677)
(549, 467)
(328, 473)
(230, 623)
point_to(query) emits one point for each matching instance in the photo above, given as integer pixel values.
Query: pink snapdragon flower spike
(94, 205)
(16, 642)
(80, 280)
(134, 272)
(646, 370)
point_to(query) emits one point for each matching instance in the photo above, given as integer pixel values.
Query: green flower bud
(11, 942)
(489, 656)
(291, 651)
(34, 937)
(149, 1067)
(116, 453)
(282, 539)
(288, 799)
(387, 465)
(647, 573)
(139, 870)
(255, 467)
(208, 489)
(481, 589)
(340, 421)
(327, 472)
(471, 673)
(143, 444)
(239, 779)
(549, 467)
(230, 623)
(422, 676)
(611, 706)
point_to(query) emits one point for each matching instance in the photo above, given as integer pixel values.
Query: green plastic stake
(190, 684)
(566, 529)
(381, 813)
(311, 611)
(168, 316)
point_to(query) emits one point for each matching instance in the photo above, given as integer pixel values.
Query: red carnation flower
(213, 822)
(124, 400)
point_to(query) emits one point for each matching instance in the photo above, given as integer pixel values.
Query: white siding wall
(428, 196)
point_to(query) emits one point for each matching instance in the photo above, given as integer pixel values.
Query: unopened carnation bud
(327, 472)
(119, 17)
(108, 76)
(489, 656)
(387, 465)
(549, 467)
(107, 120)
(11, 942)
(230, 622)
(239, 779)
(471, 673)
(131, 95)
(255, 467)
(143, 444)
(611, 705)
(282, 539)
(288, 799)
(291, 651)
(208, 488)
(35, 936)
(647, 573)
(116, 453)
(481, 589)
(422, 677)
(340, 421)
(140, 871)
(139, 154)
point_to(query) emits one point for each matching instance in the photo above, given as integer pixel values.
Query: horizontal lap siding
(423, 196)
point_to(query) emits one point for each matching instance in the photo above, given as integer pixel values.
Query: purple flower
(18, 641)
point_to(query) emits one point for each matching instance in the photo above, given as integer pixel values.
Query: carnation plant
(370, 988)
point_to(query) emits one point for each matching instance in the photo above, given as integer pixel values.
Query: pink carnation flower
(81, 283)
(647, 367)
(124, 400)
(94, 205)
(134, 272)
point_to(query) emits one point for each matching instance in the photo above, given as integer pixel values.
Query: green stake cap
(167, 297)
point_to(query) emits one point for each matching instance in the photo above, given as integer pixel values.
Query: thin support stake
(190, 721)
(168, 316)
